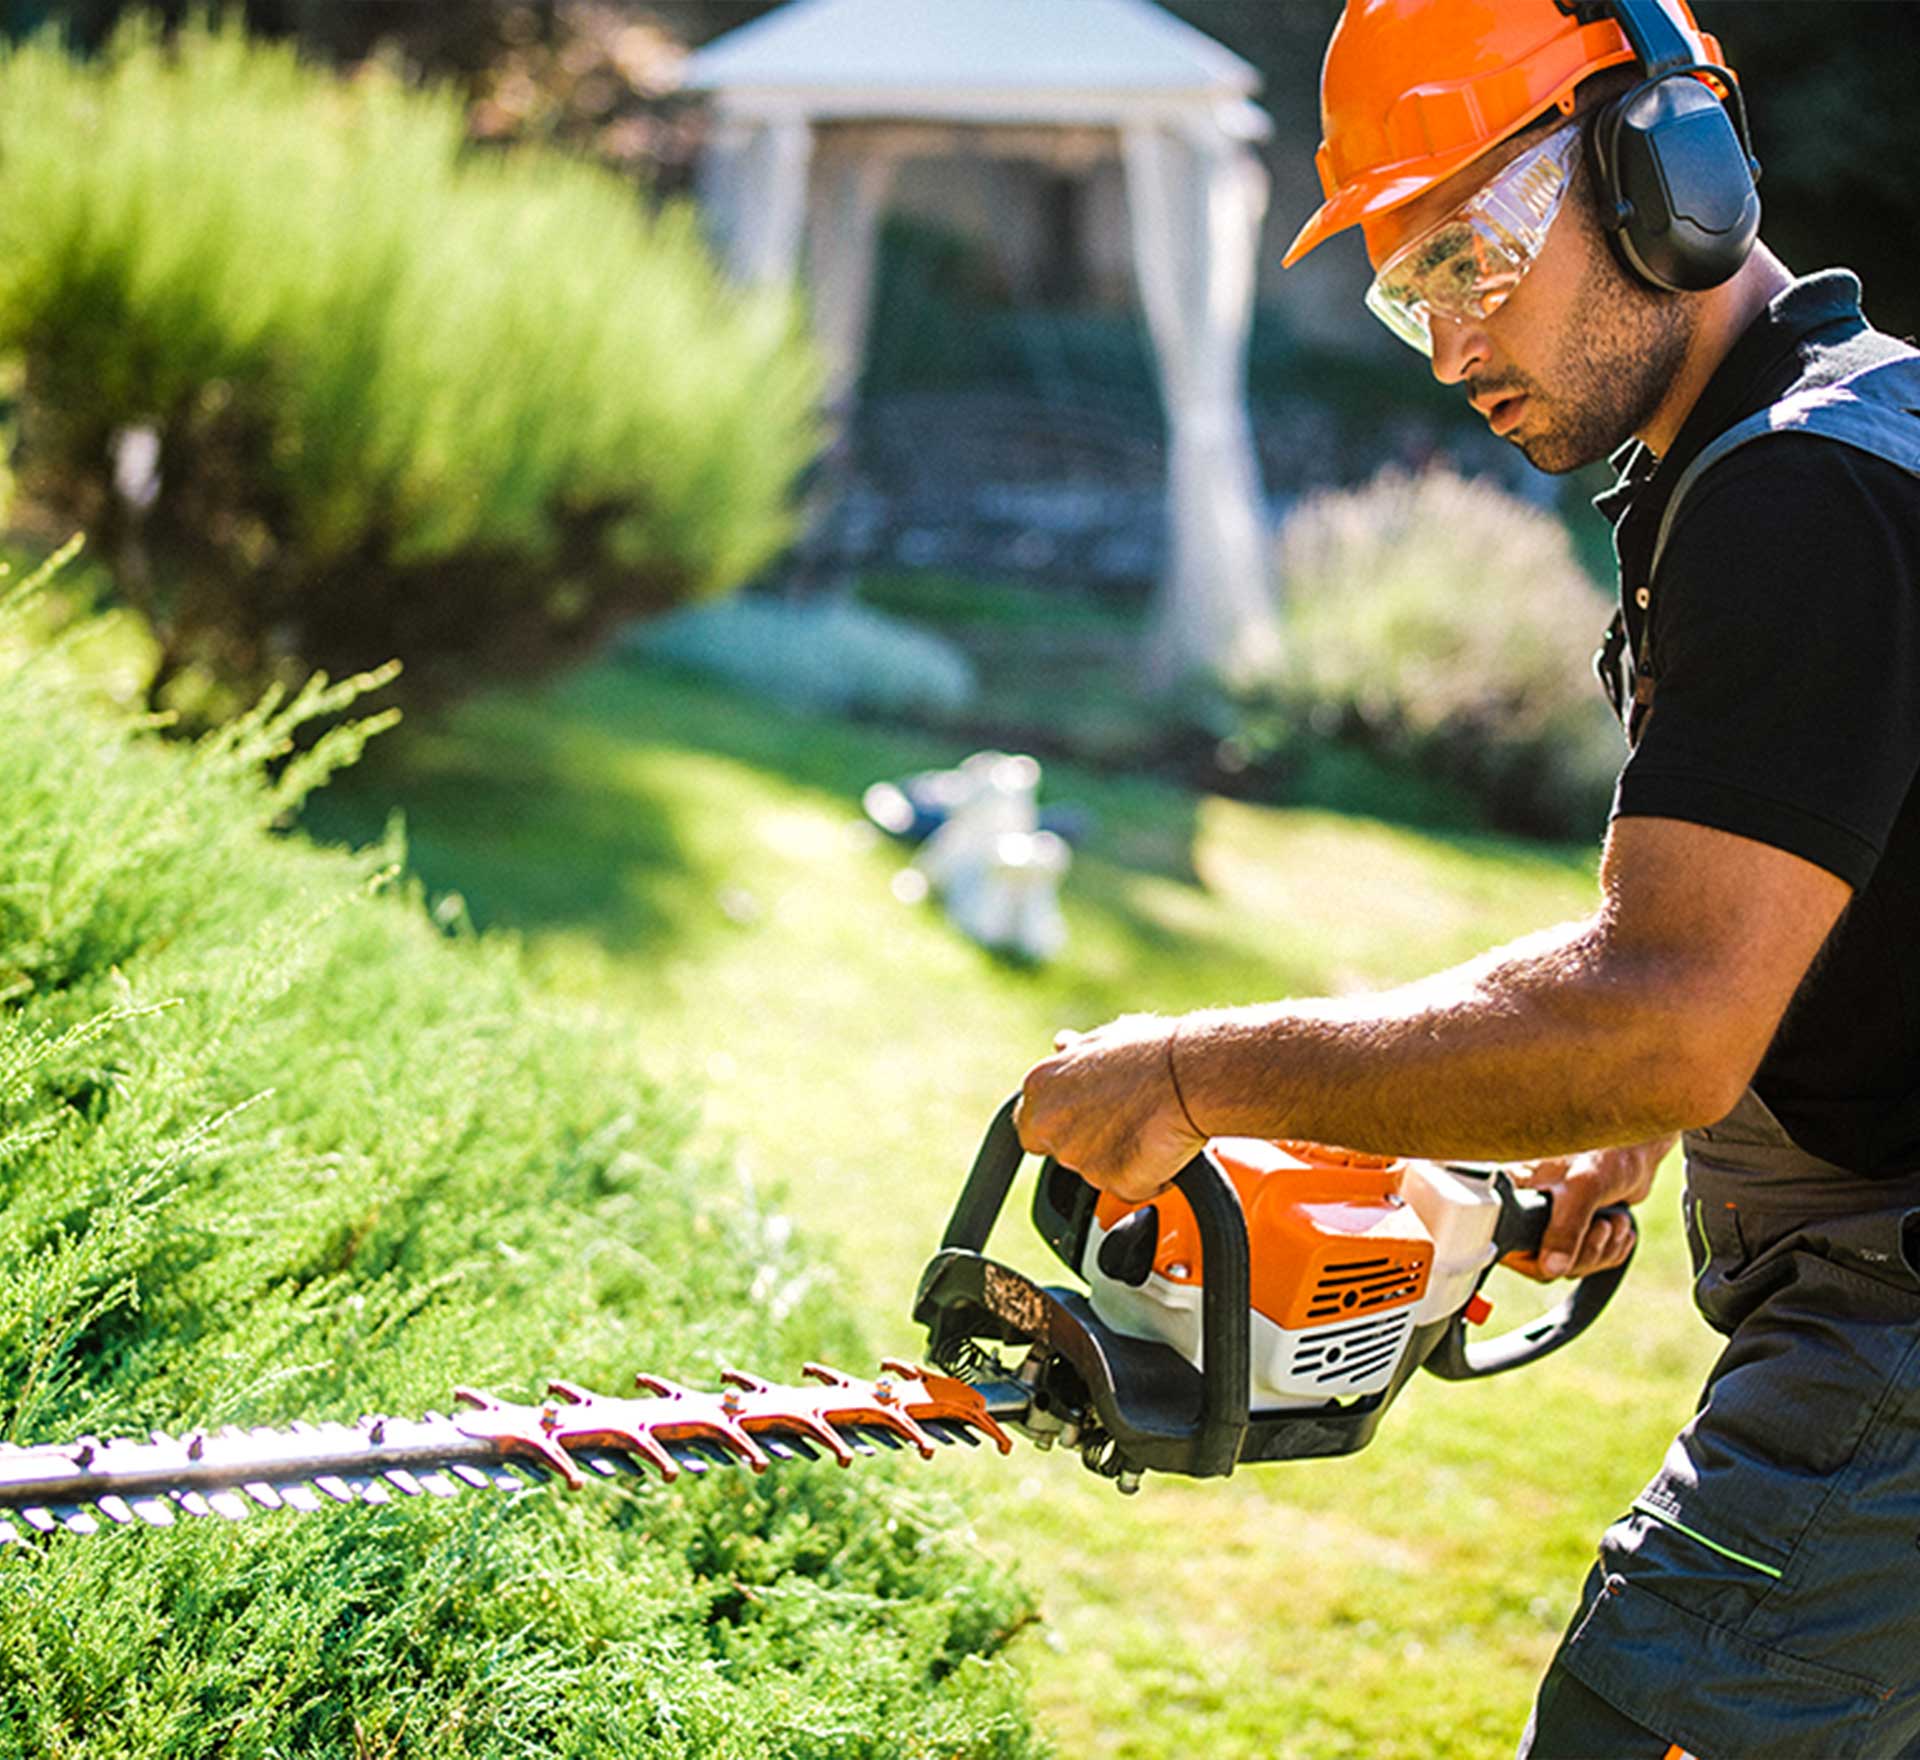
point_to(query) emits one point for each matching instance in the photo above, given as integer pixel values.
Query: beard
(1609, 378)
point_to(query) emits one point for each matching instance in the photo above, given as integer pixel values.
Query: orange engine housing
(1329, 1236)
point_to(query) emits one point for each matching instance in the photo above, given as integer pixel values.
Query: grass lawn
(695, 864)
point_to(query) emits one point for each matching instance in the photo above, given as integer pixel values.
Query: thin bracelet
(1173, 1077)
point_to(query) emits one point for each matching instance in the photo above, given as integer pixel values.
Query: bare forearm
(1553, 1045)
(1647, 1018)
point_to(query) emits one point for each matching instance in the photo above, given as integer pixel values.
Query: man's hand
(1104, 1104)
(1579, 1242)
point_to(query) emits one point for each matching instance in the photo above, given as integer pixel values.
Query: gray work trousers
(1761, 1598)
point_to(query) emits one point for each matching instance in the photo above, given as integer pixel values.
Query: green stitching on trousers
(1680, 1527)
(1706, 1255)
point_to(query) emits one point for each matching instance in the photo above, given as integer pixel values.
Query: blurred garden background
(548, 1006)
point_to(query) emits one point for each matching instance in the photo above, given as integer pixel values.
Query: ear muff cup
(1675, 184)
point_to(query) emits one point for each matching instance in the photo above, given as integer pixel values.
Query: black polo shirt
(1784, 640)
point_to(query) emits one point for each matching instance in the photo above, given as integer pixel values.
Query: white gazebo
(819, 101)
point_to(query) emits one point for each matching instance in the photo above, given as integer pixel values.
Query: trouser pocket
(1715, 1693)
(1803, 1382)
(1767, 1578)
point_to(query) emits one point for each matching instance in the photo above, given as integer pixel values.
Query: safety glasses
(1468, 265)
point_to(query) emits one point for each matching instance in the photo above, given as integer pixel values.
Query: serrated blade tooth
(41, 1521)
(114, 1508)
(301, 1497)
(332, 1485)
(193, 1503)
(404, 1482)
(229, 1504)
(77, 1520)
(438, 1485)
(156, 1512)
(477, 1477)
(263, 1494)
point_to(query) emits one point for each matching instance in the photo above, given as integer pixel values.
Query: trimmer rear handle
(1524, 1215)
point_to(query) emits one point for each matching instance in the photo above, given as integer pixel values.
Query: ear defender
(1673, 165)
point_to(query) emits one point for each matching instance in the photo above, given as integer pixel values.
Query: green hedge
(277, 1140)
(468, 408)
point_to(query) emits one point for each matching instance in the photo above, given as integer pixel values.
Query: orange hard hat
(1414, 90)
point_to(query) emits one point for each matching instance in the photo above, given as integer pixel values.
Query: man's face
(1579, 357)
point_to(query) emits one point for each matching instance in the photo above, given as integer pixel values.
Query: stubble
(1611, 377)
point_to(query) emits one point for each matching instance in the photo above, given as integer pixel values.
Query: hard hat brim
(1378, 193)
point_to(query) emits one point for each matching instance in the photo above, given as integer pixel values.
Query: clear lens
(1467, 266)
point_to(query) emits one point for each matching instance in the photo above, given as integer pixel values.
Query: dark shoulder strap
(1876, 410)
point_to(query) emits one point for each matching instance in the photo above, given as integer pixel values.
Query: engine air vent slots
(1358, 1286)
(1350, 1354)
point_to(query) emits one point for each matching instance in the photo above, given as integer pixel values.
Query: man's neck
(1725, 313)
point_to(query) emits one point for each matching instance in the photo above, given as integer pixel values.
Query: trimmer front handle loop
(1211, 1443)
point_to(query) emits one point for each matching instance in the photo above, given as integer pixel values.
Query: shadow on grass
(602, 805)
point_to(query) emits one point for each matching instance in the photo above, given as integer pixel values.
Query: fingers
(1604, 1242)
(1608, 1241)
(1574, 1203)
(1102, 1104)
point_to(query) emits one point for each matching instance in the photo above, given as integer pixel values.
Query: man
(1751, 974)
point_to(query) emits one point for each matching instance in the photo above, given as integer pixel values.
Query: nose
(1459, 348)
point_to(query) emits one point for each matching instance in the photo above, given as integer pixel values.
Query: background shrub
(471, 409)
(827, 656)
(274, 1139)
(1444, 621)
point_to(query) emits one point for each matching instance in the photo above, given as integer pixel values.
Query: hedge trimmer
(1330, 1277)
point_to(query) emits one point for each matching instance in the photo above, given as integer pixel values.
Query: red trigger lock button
(1477, 1310)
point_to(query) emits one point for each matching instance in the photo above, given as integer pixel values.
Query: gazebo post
(843, 239)
(1195, 199)
(753, 194)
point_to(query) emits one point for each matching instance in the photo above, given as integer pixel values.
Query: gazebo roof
(971, 60)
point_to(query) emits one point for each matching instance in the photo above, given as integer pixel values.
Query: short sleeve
(1786, 646)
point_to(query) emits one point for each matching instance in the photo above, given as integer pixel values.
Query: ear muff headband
(1673, 165)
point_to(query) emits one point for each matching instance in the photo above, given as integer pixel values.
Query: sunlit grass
(695, 864)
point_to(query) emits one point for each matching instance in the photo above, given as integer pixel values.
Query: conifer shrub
(278, 1139)
(1441, 622)
(330, 387)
